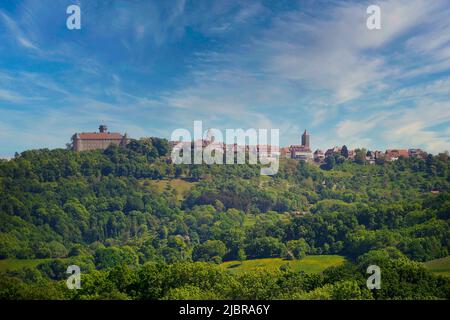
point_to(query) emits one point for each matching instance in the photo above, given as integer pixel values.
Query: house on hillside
(395, 154)
(319, 156)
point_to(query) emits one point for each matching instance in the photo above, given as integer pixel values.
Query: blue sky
(149, 67)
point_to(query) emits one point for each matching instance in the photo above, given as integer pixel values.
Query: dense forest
(141, 227)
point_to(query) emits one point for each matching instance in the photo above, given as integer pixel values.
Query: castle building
(98, 140)
(303, 151)
(305, 139)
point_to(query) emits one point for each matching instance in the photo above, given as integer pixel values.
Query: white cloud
(9, 96)
(401, 128)
(340, 53)
(16, 32)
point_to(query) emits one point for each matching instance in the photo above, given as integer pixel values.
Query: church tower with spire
(303, 151)
(305, 139)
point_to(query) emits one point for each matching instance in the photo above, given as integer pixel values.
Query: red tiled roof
(299, 148)
(397, 153)
(100, 136)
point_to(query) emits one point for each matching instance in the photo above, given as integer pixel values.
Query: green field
(439, 266)
(309, 264)
(179, 185)
(15, 264)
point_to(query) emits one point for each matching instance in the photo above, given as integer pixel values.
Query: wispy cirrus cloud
(337, 52)
(318, 66)
(403, 127)
(16, 32)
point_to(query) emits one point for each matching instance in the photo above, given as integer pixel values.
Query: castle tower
(103, 128)
(305, 139)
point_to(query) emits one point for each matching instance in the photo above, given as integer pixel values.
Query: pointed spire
(305, 139)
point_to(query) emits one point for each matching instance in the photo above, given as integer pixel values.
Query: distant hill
(128, 206)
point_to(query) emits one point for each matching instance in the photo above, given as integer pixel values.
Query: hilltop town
(302, 152)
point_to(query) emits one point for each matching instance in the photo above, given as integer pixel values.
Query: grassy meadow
(309, 264)
(439, 266)
(180, 186)
(15, 264)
